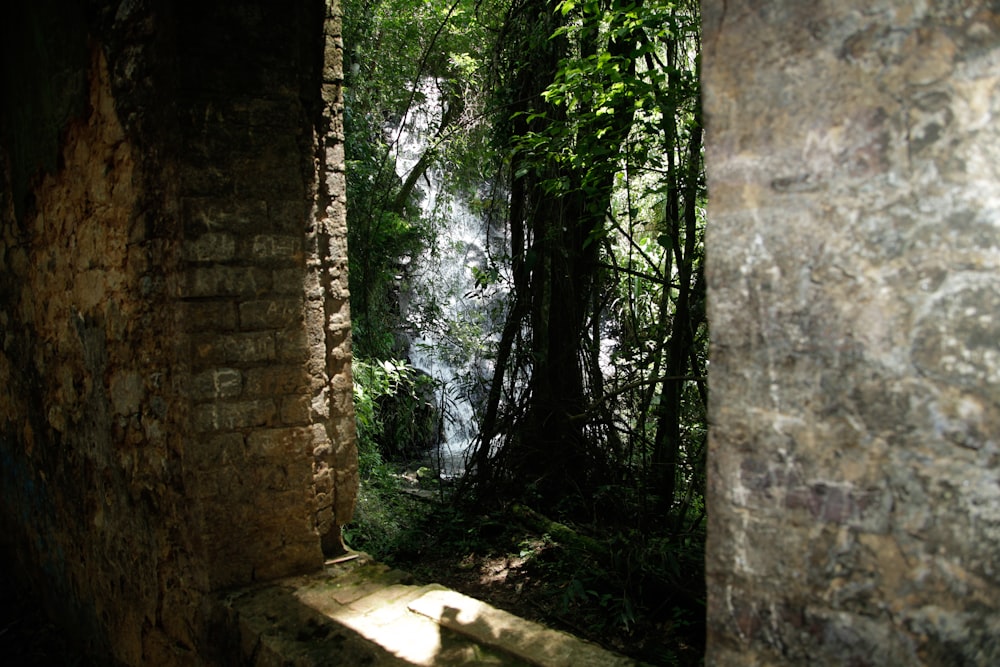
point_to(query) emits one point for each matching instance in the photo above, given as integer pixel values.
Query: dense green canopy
(583, 120)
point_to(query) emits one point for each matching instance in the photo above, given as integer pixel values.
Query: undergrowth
(641, 595)
(639, 591)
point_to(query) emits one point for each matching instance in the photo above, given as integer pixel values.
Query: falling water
(447, 319)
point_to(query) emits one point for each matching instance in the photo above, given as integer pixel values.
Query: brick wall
(262, 293)
(175, 403)
(854, 480)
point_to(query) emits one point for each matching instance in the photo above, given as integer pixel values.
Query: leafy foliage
(607, 189)
(584, 117)
(629, 591)
(394, 409)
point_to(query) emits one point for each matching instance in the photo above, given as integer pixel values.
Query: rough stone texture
(327, 313)
(854, 246)
(91, 465)
(358, 612)
(254, 115)
(175, 407)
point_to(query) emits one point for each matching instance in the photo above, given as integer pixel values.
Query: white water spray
(449, 342)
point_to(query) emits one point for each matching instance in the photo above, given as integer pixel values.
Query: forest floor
(500, 559)
(513, 584)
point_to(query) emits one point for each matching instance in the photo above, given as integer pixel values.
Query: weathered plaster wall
(175, 411)
(91, 467)
(854, 247)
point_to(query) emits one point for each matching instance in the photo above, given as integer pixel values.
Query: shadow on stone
(364, 613)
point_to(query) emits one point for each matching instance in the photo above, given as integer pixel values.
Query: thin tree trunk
(668, 437)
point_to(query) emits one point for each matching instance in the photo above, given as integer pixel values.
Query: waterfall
(450, 324)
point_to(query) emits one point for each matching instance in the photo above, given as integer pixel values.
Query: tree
(400, 54)
(604, 107)
(599, 371)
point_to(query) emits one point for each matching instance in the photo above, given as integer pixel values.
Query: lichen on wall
(854, 504)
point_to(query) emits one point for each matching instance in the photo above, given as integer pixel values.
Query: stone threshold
(361, 612)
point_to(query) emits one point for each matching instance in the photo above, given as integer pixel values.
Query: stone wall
(263, 291)
(175, 405)
(854, 245)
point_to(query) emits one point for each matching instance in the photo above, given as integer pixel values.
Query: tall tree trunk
(565, 230)
(666, 448)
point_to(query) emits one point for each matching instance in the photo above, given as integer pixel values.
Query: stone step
(532, 642)
(364, 613)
